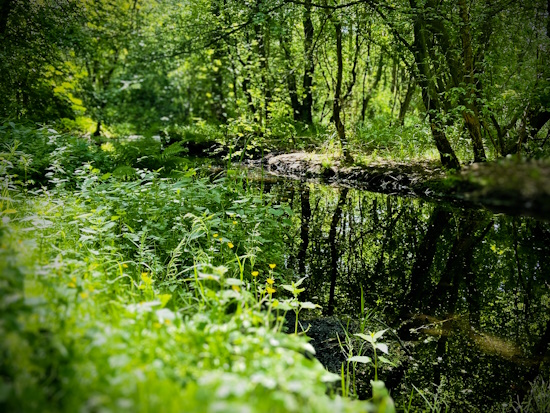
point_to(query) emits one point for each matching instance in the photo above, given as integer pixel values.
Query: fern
(125, 173)
(172, 150)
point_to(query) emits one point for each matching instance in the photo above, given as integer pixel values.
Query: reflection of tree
(472, 228)
(474, 287)
(304, 227)
(334, 256)
(419, 280)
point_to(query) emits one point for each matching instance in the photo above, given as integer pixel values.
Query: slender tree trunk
(395, 86)
(337, 103)
(471, 114)
(262, 38)
(309, 66)
(368, 96)
(98, 129)
(218, 104)
(284, 41)
(246, 83)
(407, 101)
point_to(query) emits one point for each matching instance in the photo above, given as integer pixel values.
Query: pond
(464, 293)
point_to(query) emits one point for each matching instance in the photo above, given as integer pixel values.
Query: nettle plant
(355, 348)
(294, 304)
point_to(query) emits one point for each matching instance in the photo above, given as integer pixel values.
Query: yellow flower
(83, 295)
(272, 266)
(124, 265)
(235, 288)
(270, 290)
(270, 281)
(234, 222)
(255, 273)
(215, 235)
(230, 245)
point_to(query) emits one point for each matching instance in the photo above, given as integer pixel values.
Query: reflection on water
(466, 291)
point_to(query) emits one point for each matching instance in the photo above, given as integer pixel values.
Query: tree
(35, 41)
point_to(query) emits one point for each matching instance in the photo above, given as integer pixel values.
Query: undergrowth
(151, 294)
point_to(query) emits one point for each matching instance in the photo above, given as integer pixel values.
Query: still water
(465, 293)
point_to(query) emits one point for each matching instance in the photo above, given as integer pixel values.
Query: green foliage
(537, 400)
(43, 155)
(252, 78)
(144, 295)
(35, 37)
(375, 139)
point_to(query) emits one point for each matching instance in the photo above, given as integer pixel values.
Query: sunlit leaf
(360, 359)
(382, 347)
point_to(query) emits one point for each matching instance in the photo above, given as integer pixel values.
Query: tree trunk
(309, 66)
(218, 104)
(284, 41)
(246, 83)
(368, 96)
(471, 114)
(407, 101)
(98, 129)
(264, 62)
(337, 104)
(473, 125)
(429, 94)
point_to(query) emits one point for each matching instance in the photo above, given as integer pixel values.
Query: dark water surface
(466, 292)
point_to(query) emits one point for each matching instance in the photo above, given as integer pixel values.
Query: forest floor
(511, 186)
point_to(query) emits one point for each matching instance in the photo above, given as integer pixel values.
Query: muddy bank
(513, 187)
(388, 177)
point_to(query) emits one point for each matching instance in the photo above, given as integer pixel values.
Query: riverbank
(510, 186)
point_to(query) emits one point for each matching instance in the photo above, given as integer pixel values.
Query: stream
(465, 293)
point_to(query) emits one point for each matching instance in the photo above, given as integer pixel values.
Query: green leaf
(164, 298)
(382, 347)
(361, 359)
(308, 348)
(276, 212)
(379, 334)
(385, 360)
(299, 282)
(309, 305)
(366, 337)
